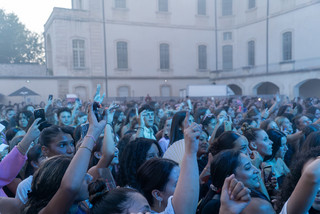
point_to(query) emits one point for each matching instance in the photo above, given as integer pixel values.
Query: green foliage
(17, 44)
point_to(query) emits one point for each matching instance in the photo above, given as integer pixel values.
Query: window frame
(202, 7)
(166, 7)
(202, 57)
(227, 8)
(78, 54)
(164, 59)
(251, 53)
(122, 57)
(287, 46)
(120, 4)
(227, 60)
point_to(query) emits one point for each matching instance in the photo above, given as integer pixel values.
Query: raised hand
(95, 127)
(191, 135)
(99, 98)
(234, 196)
(141, 117)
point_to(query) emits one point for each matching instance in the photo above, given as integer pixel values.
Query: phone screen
(267, 171)
(39, 113)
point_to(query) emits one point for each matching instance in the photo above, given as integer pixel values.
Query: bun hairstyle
(97, 190)
(249, 132)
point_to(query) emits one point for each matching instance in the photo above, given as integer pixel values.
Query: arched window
(202, 56)
(287, 46)
(251, 53)
(227, 57)
(164, 56)
(122, 55)
(78, 48)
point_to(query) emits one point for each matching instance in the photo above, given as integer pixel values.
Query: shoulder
(259, 205)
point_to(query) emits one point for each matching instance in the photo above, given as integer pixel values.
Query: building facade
(267, 47)
(159, 47)
(132, 48)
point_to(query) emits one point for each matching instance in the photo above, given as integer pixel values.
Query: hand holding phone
(39, 113)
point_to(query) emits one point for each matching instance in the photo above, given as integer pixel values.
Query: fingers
(91, 116)
(226, 184)
(186, 120)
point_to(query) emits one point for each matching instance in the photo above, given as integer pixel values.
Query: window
(202, 56)
(251, 53)
(120, 4)
(122, 55)
(227, 36)
(287, 46)
(226, 7)
(78, 53)
(163, 5)
(227, 58)
(252, 4)
(202, 7)
(123, 91)
(164, 56)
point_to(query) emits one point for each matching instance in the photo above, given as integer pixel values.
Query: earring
(160, 202)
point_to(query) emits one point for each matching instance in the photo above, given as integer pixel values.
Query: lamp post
(105, 48)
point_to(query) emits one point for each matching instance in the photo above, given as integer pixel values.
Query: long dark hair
(132, 157)
(293, 177)
(46, 182)
(154, 174)
(312, 141)
(175, 131)
(33, 155)
(275, 136)
(223, 165)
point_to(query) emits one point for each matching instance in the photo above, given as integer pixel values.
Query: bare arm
(75, 174)
(186, 194)
(306, 190)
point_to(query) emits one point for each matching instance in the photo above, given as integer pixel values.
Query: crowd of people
(198, 156)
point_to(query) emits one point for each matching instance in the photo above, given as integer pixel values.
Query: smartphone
(84, 129)
(39, 113)
(96, 107)
(267, 171)
(227, 126)
(50, 97)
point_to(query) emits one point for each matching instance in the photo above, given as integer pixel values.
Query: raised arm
(75, 174)
(186, 194)
(11, 165)
(306, 190)
(108, 146)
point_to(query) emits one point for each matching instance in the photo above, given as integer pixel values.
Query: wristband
(84, 147)
(94, 140)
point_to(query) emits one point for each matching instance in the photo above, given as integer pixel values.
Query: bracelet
(110, 124)
(94, 140)
(84, 147)
(140, 127)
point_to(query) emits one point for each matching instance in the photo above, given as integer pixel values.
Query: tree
(17, 44)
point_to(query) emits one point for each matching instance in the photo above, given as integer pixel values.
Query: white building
(158, 47)
(148, 46)
(268, 46)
